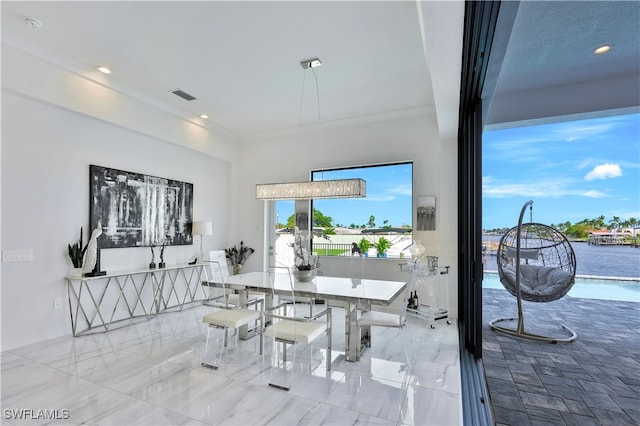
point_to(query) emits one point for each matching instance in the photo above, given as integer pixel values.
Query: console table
(97, 304)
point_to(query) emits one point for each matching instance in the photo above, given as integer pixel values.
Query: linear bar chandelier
(341, 188)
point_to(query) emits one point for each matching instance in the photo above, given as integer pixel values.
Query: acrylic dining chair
(286, 328)
(395, 319)
(227, 316)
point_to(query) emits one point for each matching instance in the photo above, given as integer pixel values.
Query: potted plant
(237, 257)
(382, 246)
(76, 253)
(364, 246)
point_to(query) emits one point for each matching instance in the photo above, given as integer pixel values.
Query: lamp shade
(202, 228)
(341, 188)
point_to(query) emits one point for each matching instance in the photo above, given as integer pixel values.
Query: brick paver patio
(594, 380)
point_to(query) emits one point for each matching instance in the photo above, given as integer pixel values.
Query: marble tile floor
(149, 373)
(594, 380)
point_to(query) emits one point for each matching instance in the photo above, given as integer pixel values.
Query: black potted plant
(76, 252)
(237, 257)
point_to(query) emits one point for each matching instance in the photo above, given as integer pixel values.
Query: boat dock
(609, 239)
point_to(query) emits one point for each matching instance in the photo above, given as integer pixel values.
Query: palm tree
(615, 222)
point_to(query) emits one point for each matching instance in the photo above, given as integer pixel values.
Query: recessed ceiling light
(32, 22)
(103, 69)
(205, 116)
(602, 49)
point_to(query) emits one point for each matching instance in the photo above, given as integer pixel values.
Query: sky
(571, 170)
(388, 198)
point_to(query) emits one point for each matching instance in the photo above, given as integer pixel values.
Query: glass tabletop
(380, 292)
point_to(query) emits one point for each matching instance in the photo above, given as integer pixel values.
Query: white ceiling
(241, 60)
(380, 58)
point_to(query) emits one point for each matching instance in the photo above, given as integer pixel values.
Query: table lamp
(202, 229)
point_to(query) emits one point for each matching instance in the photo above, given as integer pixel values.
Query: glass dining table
(351, 291)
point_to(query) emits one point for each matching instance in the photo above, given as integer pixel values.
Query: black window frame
(365, 166)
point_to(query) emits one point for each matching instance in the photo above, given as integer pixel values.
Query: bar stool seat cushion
(382, 319)
(230, 318)
(296, 331)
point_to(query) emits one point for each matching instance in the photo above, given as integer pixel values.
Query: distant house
(607, 238)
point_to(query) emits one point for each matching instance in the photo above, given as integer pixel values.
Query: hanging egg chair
(536, 263)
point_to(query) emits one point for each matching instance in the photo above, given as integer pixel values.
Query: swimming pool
(624, 289)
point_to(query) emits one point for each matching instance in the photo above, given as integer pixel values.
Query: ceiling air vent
(183, 95)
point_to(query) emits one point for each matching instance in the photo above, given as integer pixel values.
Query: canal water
(602, 272)
(601, 261)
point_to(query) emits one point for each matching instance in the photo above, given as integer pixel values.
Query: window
(385, 214)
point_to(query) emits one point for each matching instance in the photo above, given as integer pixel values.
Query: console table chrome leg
(94, 302)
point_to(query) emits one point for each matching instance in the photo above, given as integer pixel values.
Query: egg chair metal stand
(536, 263)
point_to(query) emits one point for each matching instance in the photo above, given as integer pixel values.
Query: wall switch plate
(17, 255)
(57, 303)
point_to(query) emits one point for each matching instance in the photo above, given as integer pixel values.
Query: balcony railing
(332, 249)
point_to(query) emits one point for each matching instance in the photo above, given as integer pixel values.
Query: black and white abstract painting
(137, 210)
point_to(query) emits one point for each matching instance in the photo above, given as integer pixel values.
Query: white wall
(289, 158)
(48, 143)
(55, 123)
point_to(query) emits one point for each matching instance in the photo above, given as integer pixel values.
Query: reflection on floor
(150, 373)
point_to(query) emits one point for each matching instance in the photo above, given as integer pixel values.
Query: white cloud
(390, 194)
(604, 171)
(402, 189)
(491, 188)
(577, 130)
(378, 197)
(584, 164)
(593, 194)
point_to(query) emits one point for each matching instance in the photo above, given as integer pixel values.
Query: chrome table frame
(352, 292)
(103, 301)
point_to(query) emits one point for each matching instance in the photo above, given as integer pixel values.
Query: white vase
(237, 269)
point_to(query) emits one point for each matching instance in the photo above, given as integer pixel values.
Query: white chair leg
(223, 347)
(203, 360)
(218, 356)
(281, 376)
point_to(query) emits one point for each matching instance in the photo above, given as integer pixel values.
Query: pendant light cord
(318, 105)
(304, 74)
(317, 92)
